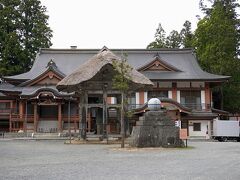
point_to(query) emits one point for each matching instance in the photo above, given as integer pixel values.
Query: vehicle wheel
(238, 140)
(224, 139)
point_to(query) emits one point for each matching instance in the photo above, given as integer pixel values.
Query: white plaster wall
(170, 94)
(113, 100)
(178, 96)
(203, 99)
(137, 98)
(204, 129)
(145, 97)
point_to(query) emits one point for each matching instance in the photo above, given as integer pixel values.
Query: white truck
(224, 130)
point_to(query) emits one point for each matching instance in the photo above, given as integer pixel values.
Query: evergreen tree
(217, 44)
(184, 39)
(23, 30)
(187, 35)
(174, 40)
(160, 39)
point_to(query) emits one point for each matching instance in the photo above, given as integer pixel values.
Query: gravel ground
(44, 160)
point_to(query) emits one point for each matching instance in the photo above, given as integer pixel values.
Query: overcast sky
(115, 23)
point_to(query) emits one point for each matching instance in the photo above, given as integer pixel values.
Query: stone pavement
(42, 160)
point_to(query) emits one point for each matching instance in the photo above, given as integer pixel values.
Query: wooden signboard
(183, 134)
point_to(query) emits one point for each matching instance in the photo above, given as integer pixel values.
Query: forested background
(216, 44)
(23, 30)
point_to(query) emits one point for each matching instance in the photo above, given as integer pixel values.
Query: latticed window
(4, 105)
(191, 99)
(196, 126)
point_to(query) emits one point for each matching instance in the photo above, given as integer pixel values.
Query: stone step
(46, 135)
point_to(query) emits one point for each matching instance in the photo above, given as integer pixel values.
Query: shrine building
(35, 101)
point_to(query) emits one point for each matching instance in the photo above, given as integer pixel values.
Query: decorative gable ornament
(51, 64)
(158, 65)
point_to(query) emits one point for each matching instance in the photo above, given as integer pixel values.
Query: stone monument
(155, 129)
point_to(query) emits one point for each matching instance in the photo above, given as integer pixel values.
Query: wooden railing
(6, 110)
(18, 117)
(72, 117)
(48, 117)
(30, 117)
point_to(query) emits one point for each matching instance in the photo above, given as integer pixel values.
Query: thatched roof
(94, 65)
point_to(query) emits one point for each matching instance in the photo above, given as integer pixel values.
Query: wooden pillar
(207, 96)
(35, 122)
(82, 115)
(21, 109)
(109, 100)
(141, 97)
(10, 116)
(75, 123)
(86, 113)
(25, 117)
(174, 91)
(22, 115)
(104, 112)
(59, 117)
(89, 122)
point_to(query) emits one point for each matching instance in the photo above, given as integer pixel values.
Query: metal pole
(69, 128)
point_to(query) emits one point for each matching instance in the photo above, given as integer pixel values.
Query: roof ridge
(93, 50)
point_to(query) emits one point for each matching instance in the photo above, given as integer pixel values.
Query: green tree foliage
(160, 39)
(182, 39)
(121, 80)
(122, 75)
(187, 35)
(174, 40)
(23, 30)
(217, 43)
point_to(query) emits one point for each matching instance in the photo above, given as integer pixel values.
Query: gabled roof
(32, 91)
(87, 71)
(67, 60)
(158, 65)
(51, 67)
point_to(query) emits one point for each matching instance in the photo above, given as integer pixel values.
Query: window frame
(198, 127)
